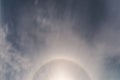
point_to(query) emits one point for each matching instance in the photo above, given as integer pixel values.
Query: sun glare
(61, 70)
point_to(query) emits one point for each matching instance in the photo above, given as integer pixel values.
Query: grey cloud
(90, 28)
(12, 65)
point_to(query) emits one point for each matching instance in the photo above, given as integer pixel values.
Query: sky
(35, 31)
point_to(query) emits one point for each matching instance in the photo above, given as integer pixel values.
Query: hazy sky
(33, 31)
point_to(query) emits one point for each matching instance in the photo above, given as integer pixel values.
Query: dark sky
(91, 12)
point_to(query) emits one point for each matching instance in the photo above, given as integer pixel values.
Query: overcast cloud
(33, 31)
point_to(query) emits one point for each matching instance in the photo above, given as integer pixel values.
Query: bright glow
(61, 70)
(60, 75)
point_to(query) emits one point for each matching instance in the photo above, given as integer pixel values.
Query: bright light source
(59, 76)
(61, 70)
(60, 73)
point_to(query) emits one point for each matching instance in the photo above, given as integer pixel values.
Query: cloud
(39, 33)
(12, 65)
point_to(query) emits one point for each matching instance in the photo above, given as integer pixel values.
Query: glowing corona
(61, 70)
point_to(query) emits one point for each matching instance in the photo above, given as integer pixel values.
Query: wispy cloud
(42, 33)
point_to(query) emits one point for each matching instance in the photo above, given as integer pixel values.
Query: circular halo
(61, 69)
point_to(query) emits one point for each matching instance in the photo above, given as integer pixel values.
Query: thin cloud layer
(38, 33)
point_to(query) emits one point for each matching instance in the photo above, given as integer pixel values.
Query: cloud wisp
(56, 30)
